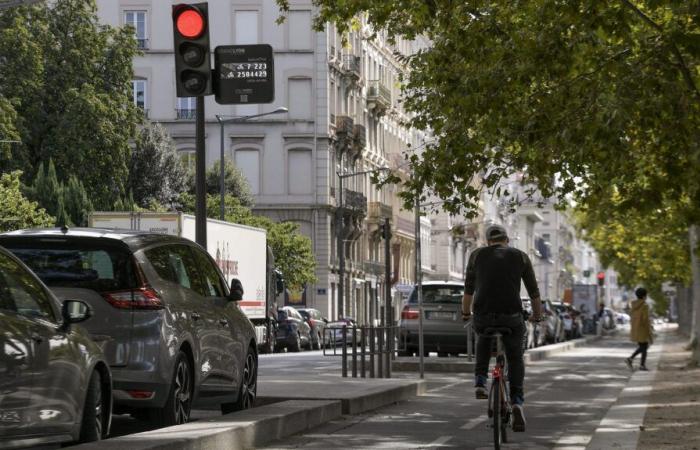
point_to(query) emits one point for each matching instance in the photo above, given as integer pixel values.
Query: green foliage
(16, 211)
(293, 251)
(68, 79)
(578, 95)
(235, 182)
(156, 174)
(8, 132)
(69, 203)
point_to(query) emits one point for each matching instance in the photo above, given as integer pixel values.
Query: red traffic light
(601, 275)
(190, 23)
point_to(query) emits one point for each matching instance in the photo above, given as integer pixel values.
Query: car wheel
(318, 341)
(93, 420)
(177, 407)
(295, 346)
(248, 391)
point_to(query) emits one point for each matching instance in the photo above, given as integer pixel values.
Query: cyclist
(493, 282)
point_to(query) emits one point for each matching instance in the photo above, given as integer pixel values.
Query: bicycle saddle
(497, 330)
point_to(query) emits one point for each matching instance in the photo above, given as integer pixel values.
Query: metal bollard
(371, 351)
(362, 351)
(345, 351)
(354, 352)
(380, 358)
(389, 350)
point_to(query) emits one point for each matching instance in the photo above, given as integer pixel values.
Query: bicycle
(499, 407)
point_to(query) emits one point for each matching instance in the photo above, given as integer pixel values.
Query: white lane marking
(442, 440)
(473, 423)
(447, 386)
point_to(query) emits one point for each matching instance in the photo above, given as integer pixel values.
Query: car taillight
(407, 313)
(142, 298)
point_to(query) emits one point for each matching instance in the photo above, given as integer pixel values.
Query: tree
(156, 173)
(68, 79)
(16, 211)
(76, 202)
(581, 96)
(235, 182)
(47, 190)
(8, 132)
(293, 251)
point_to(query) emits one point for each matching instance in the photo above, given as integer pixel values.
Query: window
(300, 98)
(137, 19)
(248, 160)
(299, 171)
(188, 159)
(139, 93)
(176, 264)
(245, 27)
(22, 293)
(213, 285)
(186, 107)
(300, 30)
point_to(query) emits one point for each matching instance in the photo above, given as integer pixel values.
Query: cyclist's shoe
(481, 393)
(628, 361)
(643, 368)
(518, 418)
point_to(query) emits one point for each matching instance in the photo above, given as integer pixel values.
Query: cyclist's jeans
(512, 343)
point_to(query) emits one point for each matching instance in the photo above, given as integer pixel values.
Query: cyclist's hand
(535, 318)
(466, 317)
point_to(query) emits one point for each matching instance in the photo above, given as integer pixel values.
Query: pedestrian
(641, 330)
(493, 281)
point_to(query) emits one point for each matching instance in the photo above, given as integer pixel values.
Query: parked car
(443, 328)
(334, 331)
(567, 321)
(293, 332)
(553, 326)
(171, 332)
(317, 323)
(55, 385)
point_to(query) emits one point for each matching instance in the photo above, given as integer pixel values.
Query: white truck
(240, 251)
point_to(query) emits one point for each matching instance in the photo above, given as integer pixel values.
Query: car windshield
(439, 294)
(304, 314)
(102, 269)
(281, 314)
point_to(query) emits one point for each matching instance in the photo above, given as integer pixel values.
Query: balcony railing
(354, 200)
(379, 211)
(186, 114)
(142, 44)
(378, 95)
(351, 66)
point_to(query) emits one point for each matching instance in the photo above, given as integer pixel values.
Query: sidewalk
(672, 420)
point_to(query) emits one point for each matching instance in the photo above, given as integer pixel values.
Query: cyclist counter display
(244, 74)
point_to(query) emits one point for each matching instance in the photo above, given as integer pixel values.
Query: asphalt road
(567, 396)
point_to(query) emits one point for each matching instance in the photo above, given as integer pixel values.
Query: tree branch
(685, 71)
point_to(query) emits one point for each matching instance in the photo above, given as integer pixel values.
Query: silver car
(55, 385)
(162, 312)
(443, 328)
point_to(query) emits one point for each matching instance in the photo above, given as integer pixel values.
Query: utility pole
(419, 288)
(388, 309)
(340, 231)
(200, 180)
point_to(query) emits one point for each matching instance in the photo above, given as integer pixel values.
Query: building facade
(343, 122)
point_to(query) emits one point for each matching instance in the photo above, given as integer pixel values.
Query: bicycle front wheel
(495, 398)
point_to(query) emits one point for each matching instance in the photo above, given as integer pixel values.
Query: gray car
(162, 312)
(443, 328)
(55, 385)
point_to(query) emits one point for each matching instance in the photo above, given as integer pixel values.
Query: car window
(88, 265)
(439, 294)
(305, 314)
(175, 263)
(22, 293)
(212, 283)
(281, 314)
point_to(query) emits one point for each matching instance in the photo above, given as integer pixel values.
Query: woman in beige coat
(641, 331)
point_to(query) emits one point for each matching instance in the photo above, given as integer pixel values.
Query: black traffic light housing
(192, 50)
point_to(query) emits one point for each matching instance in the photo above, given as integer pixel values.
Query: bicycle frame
(499, 408)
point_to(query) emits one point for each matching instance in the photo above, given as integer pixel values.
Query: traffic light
(601, 278)
(192, 54)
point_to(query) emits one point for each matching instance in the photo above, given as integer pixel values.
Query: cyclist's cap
(496, 233)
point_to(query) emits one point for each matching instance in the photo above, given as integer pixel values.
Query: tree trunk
(694, 233)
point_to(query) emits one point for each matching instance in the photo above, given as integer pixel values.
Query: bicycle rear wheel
(495, 398)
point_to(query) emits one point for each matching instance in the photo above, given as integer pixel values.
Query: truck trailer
(240, 251)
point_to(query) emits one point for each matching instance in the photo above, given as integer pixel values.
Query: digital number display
(244, 74)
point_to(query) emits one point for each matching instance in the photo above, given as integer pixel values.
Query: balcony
(378, 211)
(352, 67)
(186, 113)
(355, 202)
(142, 44)
(378, 96)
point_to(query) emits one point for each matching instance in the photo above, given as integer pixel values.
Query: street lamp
(235, 119)
(341, 243)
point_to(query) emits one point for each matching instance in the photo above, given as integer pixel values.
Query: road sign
(244, 74)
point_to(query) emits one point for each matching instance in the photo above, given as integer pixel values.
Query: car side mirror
(75, 311)
(236, 290)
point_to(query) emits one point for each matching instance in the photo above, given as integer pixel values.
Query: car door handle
(223, 322)
(195, 316)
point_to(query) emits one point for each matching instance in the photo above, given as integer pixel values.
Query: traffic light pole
(200, 177)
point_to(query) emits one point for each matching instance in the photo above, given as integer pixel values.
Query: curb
(237, 431)
(461, 365)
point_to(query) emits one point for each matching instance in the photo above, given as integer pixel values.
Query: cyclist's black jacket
(493, 277)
